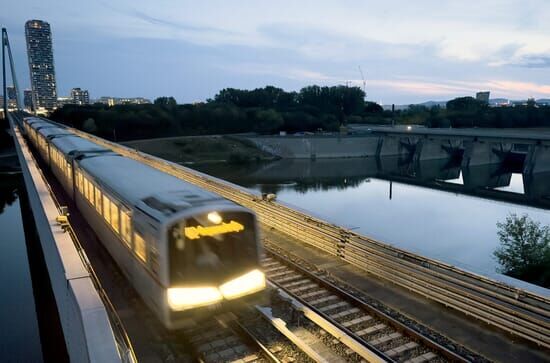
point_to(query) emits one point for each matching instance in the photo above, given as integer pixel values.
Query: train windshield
(212, 248)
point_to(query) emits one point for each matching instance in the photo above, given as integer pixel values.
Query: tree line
(263, 110)
(270, 109)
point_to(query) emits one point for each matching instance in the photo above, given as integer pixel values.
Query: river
(19, 336)
(436, 210)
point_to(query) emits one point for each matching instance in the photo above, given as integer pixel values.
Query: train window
(77, 175)
(125, 226)
(90, 194)
(199, 249)
(114, 217)
(85, 184)
(98, 200)
(153, 257)
(81, 182)
(140, 247)
(69, 172)
(106, 209)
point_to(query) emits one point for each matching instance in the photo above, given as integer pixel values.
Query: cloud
(528, 61)
(407, 84)
(280, 70)
(504, 88)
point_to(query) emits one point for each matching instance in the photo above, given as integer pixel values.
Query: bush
(524, 250)
(238, 158)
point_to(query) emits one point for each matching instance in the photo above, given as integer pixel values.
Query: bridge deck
(516, 135)
(162, 345)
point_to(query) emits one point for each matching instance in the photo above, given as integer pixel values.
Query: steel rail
(241, 329)
(354, 301)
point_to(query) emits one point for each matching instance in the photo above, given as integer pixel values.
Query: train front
(214, 263)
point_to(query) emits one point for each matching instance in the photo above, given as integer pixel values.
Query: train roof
(31, 120)
(72, 143)
(155, 192)
(40, 124)
(52, 131)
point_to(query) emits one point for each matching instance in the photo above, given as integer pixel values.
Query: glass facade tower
(42, 73)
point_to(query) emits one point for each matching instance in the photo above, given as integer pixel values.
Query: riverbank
(202, 149)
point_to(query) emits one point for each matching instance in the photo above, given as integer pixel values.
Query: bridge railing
(92, 329)
(515, 310)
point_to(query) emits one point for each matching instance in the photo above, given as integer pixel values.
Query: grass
(201, 149)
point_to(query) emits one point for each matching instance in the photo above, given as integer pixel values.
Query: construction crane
(364, 82)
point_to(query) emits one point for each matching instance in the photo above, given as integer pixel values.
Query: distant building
(483, 96)
(12, 98)
(41, 66)
(62, 101)
(27, 99)
(80, 96)
(111, 101)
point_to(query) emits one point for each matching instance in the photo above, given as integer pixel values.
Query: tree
(524, 250)
(468, 104)
(165, 101)
(89, 126)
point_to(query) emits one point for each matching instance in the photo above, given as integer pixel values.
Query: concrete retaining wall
(311, 147)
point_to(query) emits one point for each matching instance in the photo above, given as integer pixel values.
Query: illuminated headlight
(243, 285)
(185, 298)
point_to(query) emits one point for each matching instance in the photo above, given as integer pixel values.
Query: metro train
(189, 253)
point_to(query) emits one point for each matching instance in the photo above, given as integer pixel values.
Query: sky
(408, 51)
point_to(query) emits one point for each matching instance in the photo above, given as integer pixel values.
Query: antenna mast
(364, 82)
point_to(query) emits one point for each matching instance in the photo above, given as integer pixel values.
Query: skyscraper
(41, 67)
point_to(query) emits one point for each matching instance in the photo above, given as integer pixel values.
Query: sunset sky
(409, 51)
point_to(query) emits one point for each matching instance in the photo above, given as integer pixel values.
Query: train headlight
(180, 298)
(243, 285)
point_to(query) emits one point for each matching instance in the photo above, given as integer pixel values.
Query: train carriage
(44, 136)
(31, 124)
(187, 252)
(63, 151)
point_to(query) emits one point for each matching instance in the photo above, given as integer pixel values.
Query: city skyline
(193, 51)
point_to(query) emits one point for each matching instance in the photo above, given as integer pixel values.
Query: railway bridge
(412, 287)
(335, 295)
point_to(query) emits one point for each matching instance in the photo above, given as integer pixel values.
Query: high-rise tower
(42, 72)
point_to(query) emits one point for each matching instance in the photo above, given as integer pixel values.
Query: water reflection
(493, 181)
(433, 208)
(19, 338)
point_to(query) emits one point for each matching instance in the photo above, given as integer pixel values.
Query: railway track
(223, 340)
(386, 337)
(516, 311)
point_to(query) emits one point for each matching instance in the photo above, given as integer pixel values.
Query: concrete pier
(396, 146)
(537, 160)
(477, 152)
(431, 148)
(313, 147)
